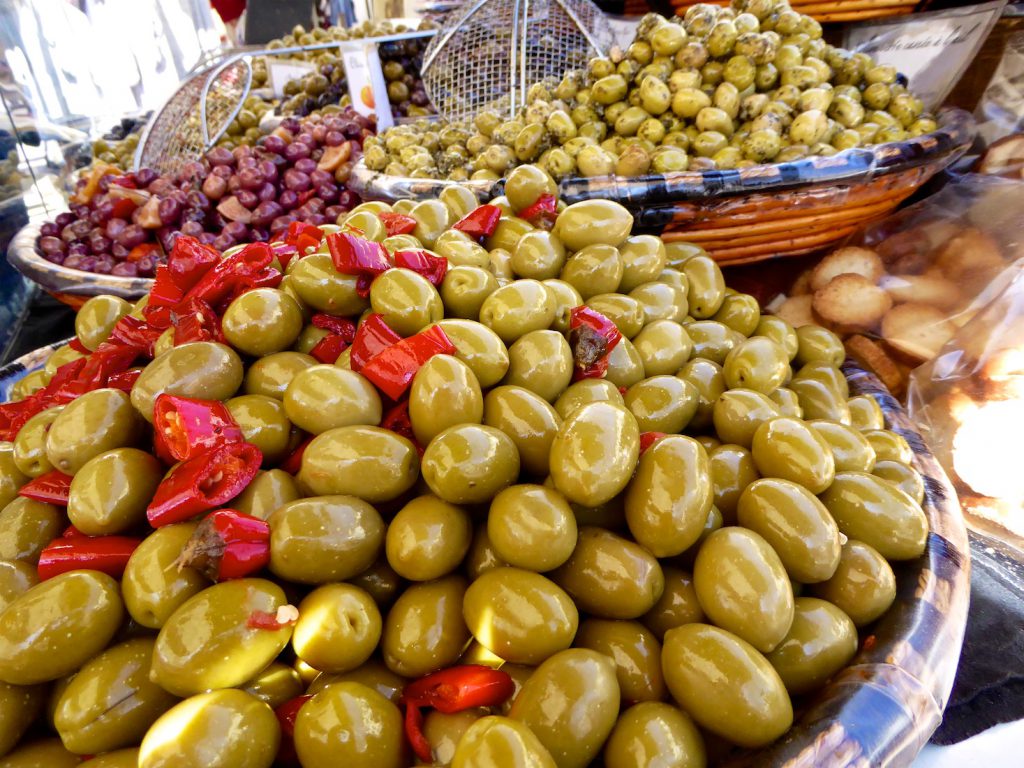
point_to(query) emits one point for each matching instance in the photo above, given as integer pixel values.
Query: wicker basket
(841, 10)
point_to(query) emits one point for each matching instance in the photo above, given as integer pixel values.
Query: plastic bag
(1001, 109)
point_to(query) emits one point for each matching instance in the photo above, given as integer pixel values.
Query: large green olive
(635, 651)
(525, 184)
(464, 289)
(425, 631)
(373, 674)
(528, 420)
(460, 250)
(539, 255)
(371, 463)
(264, 423)
(732, 470)
(677, 605)
(381, 581)
(322, 287)
(643, 258)
(724, 684)
(570, 702)
(792, 450)
(670, 495)
(427, 539)
(566, 299)
(325, 397)
(872, 510)
(202, 369)
(272, 374)
(406, 300)
(863, 586)
(654, 733)
(275, 685)
(30, 443)
(593, 222)
(506, 235)
(738, 413)
(757, 363)
(594, 270)
(499, 742)
(444, 393)
(519, 615)
(820, 401)
(706, 376)
(16, 578)
(93, 423)
(826, 374)
(664, 347)
(742, 587)
(432, 218)
(478, 347)
(779, 331)
(865, 413)
(707, 286)
(19, 707)
(338, 629)
(349, 724)
(594, 453)
(262, 321)
(111, 702)
(11, 478)
(587, 391)
(821, 641)
(444, 731)
(712, 340)
(626, 312)
(851, 451)
(531, 527)
(154, 586)
(58, 625)
(817, 344)
(110, 493)
(97, 318)
(470, 463)
(888, 445)
(219, 729)
(625, 368)
(904, 477)
(324, 538)
(26, 527)
(741, 313)
(542, 362)
(518, 308)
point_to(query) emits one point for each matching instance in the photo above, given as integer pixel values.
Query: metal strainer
(496, 49)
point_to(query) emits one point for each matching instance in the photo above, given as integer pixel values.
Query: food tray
(882, 709)
(749, 214)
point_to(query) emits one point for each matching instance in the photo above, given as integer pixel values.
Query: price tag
(283, 71)
(366, 83)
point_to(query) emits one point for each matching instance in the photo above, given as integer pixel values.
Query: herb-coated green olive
(97, 318)
(202, 369)
(45, 753)
(757, 363)
(542, 362)
(153, 585)
(752, 710)
(219, 729)
(470, 463)
(904, 477)
(371, 463)
(93, 423)
(499, 742)
(338, 628)
(272, 374)
(406, 300)
(739, 413)
(707, 286)
(635, 651)
(792, 450)
(654, 733)
(865, 413)
(594, 270)
(518, 308)
(677, 605)
(566, 299)
(264, 423)
(712, 340)
(519, 615)
(373, 674)
(797, 526)
(587, 391)
(625, 368)
(662, 404)
(208, 642)
(850, 449)
(664, 347)
(58, 625)
(11, 478)
(19, 706)
(592, 222)
(262, 321)
(528, 420)
(538, 255)
(610, 576)
(325, 538)
(464, 290)
(425, 630)
(732, 470)
(111, 702)
(570, 702)
(275, 685)
(740, 312)
(594, 453)
(821, 641)
(531, 527)
(121, 758)
(815, 343)
(670, 495)
(825, 373)
(888, 445)
(444, 393)
(878, 513)
(863, 586)
(427, 539)
(322, 287)
(707, 377)
(743, 587)
(820, 401)
(779, 331)
(16, 578)
(29, 449)
(643, 259)
(478, 347)
(110, 493)
(26, 527)
(432, 218)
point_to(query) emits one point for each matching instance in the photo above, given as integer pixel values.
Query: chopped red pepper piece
(480, 222)
(393, 369)
(285, 253)
(647, 439)
(592, 336)
(54, 487)
(195, 320)
(233, 275)
(14, 415)
(203, 482)
(227, 544)
(434, 268)
(397, 223)
(108, 554)
(188, 261)
(293, 463)
(357, 256)
(452, 690)
(303, 236)
(285, 616)
(286, 716)
(108, 359)
(373, 336)
(135, 333)
(398, 421)
(184, 427)
(72, 533)
(329, 348)
(77, 345)
(542, 213)
(338, 325)
(124, 380)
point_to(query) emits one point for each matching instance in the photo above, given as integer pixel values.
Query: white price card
(282, 71)
(366, 83)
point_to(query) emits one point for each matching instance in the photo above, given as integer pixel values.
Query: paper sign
(932, 49)
(366, 83)
(283, 71)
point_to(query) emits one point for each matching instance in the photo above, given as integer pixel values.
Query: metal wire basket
(499, 48)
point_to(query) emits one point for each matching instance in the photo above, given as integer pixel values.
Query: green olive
(11, 478)
(368, 462)
(732, 470)
(664, 347)
(275, 685)
(787, 402)
(538, 255)
(61, 356)
(566, 299)
(153, 585)
(464, 290)
(757, 363)
(482, 556)
(26, 528)
(470, 463)
(625, 311)
(863, 586)
(518, 308)
(643, 259)
(850, 449)
(712, 340)
(262, 321)
(29, 384)
(706, 376)
(459, 249)
(202, 369)
(507, 234)
(878, 513)
(425, 631)
(478, 347)
(92, 424)
(903, 476)
(322, 287)
(587, 391)
(821, 401)
(406, 300)
(338, 628)
(540, 361)
(792, 450)
(707, 286)
(677, 605)
(625, 368)
(444, 731)
(817, 344)
(29, 448)
(272, 374)
(121, 758)
(110, 493)
(662, 404)
(888, 445)
(16, 578)
(739, 413)
(19, 707)
(499, 742)
(594, 453)
(865, 413)
(825, 373)
(740, 312)
(373, 674)
(636, 652)
(97, 318)
(449, 381)
(593, 222)
(779, 331)
(432, 218)
(821, 642)
(651, 732)
(531, 527)
(427, 539)
(528, 420)
(594, 270)
(44, 753)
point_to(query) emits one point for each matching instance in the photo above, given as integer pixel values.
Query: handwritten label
(282, 72)
(366, 83)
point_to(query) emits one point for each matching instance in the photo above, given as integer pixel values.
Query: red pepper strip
(397, 223)
(204, 482)
(264, 278)
(188, 261)
(184, 427)
(285, 616)
(124, 380)
(647, 439)
(592, 336)
(293, 463)
(433, 268)
(108, 554)
(108, 359)
(452, 690)
(135, 333)
(54, 487)
(480, 222)
(14, 415)
(329, 348)
(227, 544)
(219, 282)
(285, 253)
(542, 213)
(398, 421)
(339, 325)
(78, 346)
(372, 337)
(195, 320)
(303, 236)
(287, 713)
(357, 256)
(392, 370)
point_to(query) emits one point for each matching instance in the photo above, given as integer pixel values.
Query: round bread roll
(852, 300)
(918, 330)
(850, 260)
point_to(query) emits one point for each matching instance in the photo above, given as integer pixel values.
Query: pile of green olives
(663, 558)
(719, 88)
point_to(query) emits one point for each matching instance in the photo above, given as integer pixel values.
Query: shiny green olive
(594, 453)
(61, 356)
(444, 393)
(740, 312)
(262, 321)
(787, 402)
(44, 753)
(339, 627)
(566, 299)
(264, 423)
(208, 642)
(889, 445)
(872, 510)
(850, 449)
(865, 413)
(593, 222)
(664, 347)
(677, 605)
(738, 413)
(499, 742)
(825, 373)
(662, 403)
(425, 631)
(373, 674)
(506, 235)
(863, 586)
(97, 318)
(29, 384)
(707, 286)
(459, 249)
(56, 626)
(464, 290)
(635, 651)
(275, 685)
(11, 478)
(643, 259)
(444, 731)
(820, 401)
(821, 642)
(712, 340)
(153, 585)
(518, 308)
(368, 224)
(202, 369)
(368, 462)
(519, 615)
(427, 539)
(626, 312)
(757, 363)
(528, 420)
(903, 476)
(432, 218)
(324, 538)
(322, 287)
(752, 710)
(594, 270)
(542, 362)
(707, 377)
(406, 300)
(792, 450)
(587, 391)
(93, 423)
(482, 556)
(19, 707)
(531, 527)
(272, 374)
(470, 463)
(732, 469)
(651, 732)
(29, 448)
(779, 331)
(219, 729)
(308, 339)
(27, 527)
(111, 702)
(743, 587)
(380, 581)
(538, 255)
(817, 344)
(526, 184)
(459, 200)
(478, 347)
(111, 492)
(16, 578)
(625, 368)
